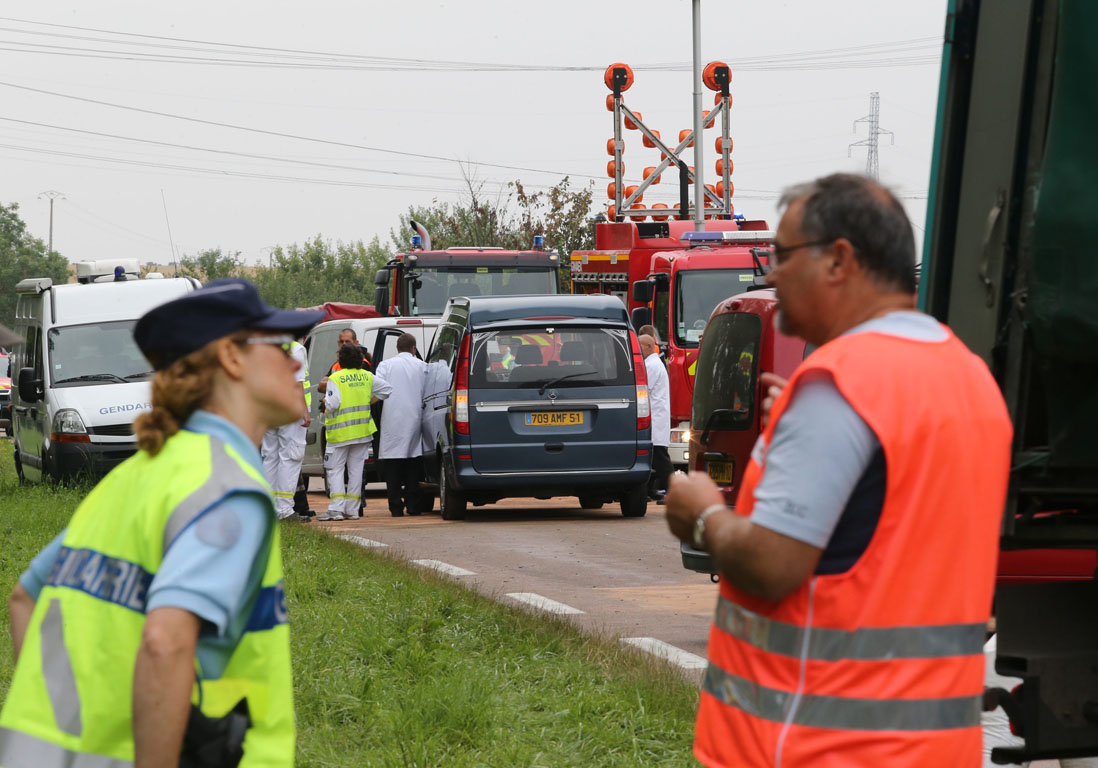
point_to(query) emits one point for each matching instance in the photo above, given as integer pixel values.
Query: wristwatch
(699, 524)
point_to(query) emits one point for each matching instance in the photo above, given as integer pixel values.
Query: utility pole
(872, 163)
(52, 195)
(699, 164)
(171, 243)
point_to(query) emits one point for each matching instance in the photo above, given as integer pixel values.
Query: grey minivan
(537, 396)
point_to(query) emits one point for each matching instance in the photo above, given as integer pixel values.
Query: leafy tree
(211, 264)
(561, 214)
(23, 256)
(318, 271)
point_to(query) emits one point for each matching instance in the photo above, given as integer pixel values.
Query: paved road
(625, 575)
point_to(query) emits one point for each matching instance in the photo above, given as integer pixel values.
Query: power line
(227, 152)
(216, 172)
(824, 63)
(828, 57)
(280, 134)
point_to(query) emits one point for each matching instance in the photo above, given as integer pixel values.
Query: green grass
(397, 667)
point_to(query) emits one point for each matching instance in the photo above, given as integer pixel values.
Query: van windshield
(552, 357)
(724, 388)
(96, 353)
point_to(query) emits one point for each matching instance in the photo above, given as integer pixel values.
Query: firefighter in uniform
(153, 629)
(858, 565)
(283, 448)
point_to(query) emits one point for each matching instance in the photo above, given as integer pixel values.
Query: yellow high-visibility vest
(352, 420)
(71, 701)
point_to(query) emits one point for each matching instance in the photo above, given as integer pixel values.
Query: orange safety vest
(881, 665)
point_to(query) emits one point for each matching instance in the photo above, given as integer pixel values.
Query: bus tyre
(634, 503)
(452, 503)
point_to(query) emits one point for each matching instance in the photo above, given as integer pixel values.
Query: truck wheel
(634, 503)
(590, 502)
(452, 502)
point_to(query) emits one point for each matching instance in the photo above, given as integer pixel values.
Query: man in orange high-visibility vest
(858, 565)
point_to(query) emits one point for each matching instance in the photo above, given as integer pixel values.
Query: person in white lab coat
(659, 395)
(401, 449)
(283, 448)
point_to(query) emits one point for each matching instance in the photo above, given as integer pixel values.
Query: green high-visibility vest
(296, 345)
(352, 420)
(71, 702)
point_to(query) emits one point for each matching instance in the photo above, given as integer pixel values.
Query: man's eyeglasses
(781, 251)
(285, 343)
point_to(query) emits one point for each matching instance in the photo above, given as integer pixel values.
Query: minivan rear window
(728, 363)
(561, 357)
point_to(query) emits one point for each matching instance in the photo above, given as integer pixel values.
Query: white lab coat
(402, 416)
(659, 398)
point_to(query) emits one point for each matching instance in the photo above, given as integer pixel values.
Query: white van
(79, 379)
(377, 335)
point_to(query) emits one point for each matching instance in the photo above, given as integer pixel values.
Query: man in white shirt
(283, 449)
(659, 395)
(401, 449)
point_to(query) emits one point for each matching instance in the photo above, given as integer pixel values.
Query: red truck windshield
(697, 291)
(437, 284)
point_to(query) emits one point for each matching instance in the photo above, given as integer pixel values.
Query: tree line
(318, 269)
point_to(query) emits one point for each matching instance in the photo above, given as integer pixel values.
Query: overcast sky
(371, 76)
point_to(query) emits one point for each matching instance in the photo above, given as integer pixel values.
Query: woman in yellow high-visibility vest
(155, 624)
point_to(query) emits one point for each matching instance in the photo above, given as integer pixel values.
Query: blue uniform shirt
(212, 568)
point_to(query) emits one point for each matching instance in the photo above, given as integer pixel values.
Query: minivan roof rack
(34, 285)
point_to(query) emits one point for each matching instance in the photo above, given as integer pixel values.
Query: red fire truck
(671, 276)
(418, 282)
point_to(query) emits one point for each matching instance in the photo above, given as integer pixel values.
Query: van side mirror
(30, 388)
(642, 292)
(641, 315)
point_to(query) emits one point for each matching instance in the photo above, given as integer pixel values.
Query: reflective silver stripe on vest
(866, 644)
(351, 423)
(21, 750)
(343, 411)
(58, 674)
(226, 475)
(841, 713)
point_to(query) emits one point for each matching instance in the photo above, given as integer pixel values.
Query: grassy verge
(396, 667)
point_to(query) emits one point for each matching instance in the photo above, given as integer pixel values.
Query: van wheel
(634, 503)
(588, 502)
(452, 503)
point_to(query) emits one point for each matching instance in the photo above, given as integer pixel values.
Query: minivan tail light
(461, 390)
(640, 375)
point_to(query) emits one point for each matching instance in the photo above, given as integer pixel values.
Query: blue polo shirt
(212, 568)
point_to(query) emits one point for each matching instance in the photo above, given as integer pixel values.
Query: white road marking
(362, 542)
(438, 565)
(663, 650)
(544, 603)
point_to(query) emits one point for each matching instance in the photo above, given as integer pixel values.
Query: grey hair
(845, 205)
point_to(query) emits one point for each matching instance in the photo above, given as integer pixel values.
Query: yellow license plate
(720, 471)
(554, 418)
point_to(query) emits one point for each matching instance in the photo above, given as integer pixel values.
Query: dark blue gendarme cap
(184, 325)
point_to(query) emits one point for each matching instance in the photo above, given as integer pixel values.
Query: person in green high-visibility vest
(153, 630)
(349, 426)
